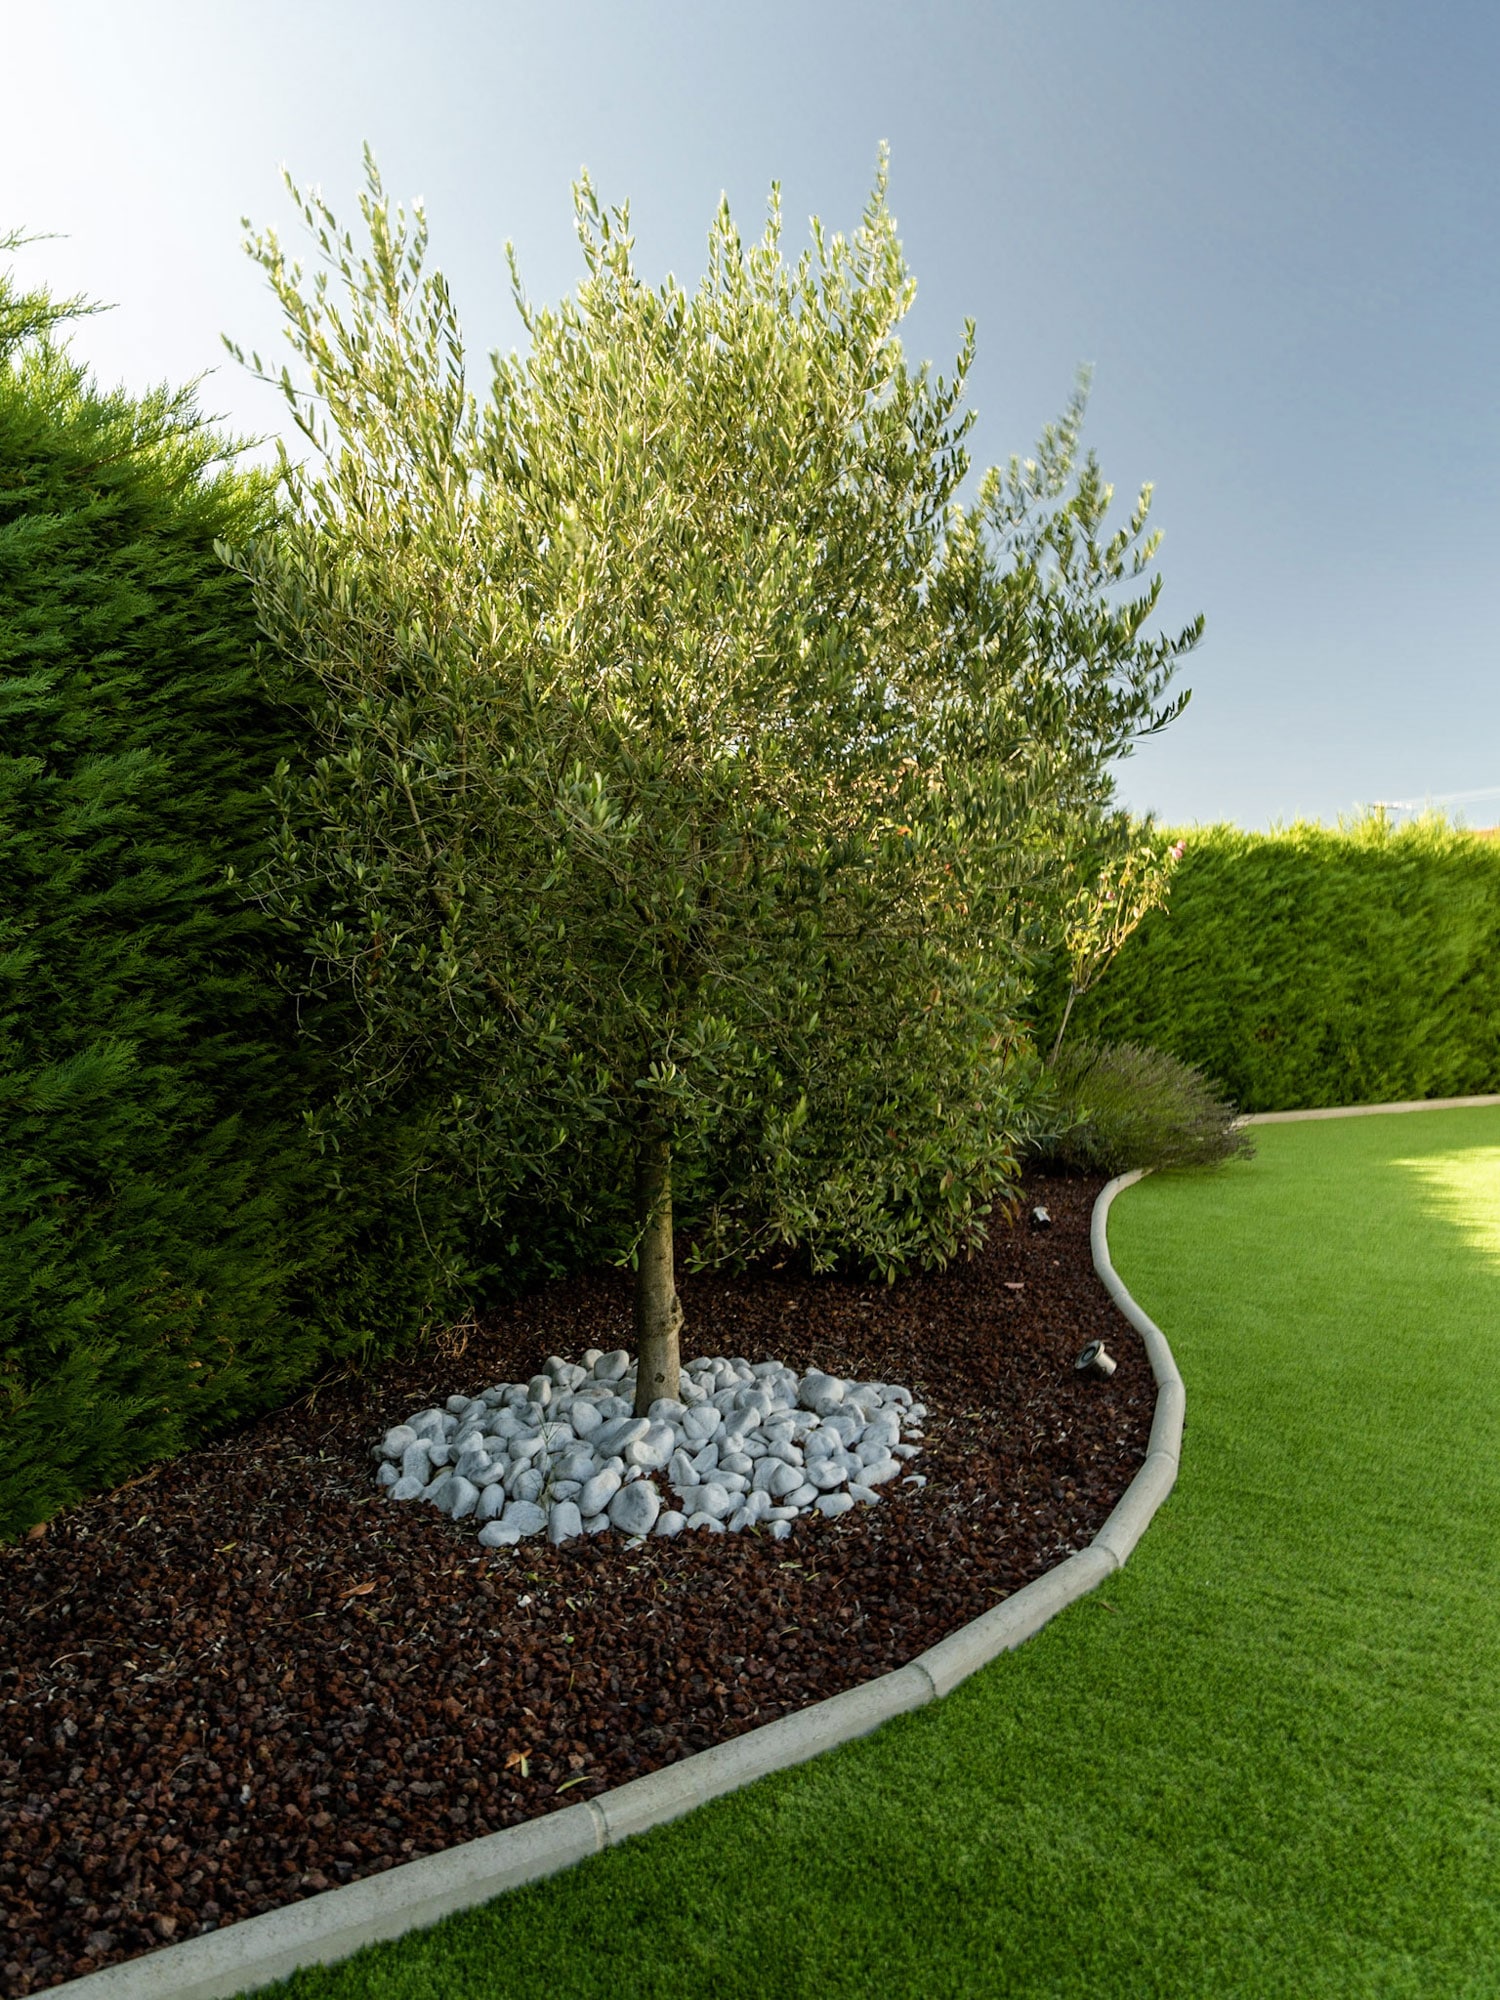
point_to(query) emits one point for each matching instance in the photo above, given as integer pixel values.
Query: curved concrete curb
(1367, 1110)
(324, 1928)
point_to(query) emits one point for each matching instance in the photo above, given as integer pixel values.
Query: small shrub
(1115, 1108)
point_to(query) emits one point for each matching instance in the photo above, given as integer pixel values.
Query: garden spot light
(1094, 1360)
(1040, 1219)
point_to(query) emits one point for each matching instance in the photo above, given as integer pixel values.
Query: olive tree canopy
(692, 765)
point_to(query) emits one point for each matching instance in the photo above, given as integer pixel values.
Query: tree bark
(658, 1315)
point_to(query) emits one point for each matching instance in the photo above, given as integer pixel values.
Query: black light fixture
(1040, 1219)
(1094, 1360)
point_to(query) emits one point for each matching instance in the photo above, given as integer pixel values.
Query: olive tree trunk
(658, 1315)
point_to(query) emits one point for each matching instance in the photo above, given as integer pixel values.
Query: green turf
(1263, 1760)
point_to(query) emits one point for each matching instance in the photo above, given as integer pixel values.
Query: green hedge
(177, 1249)
(1314, 966)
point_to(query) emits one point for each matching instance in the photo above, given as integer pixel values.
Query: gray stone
(585, 1418)
(682, 1471)
(714, 1499)
(826, 1473)
(416, 1460)
(865, 1495)
(525, 1445)
(781, 1513)
(599, 1491)
(539, 1389)
(437, 1489)
(820, 1392)
(565, 1489)
(707, 1460)
(736, 1461)
(578, 1462)
(459, 1497)
(702, 1422)
(917, 1479)
(563, 1522)
(669, 1522)
(592, 1357)
(801, 1495)
(653, 1449)
(612, 1367)
(831, 1505)
(782, 1480)
(634, 1508)
(528, 1484)
(623, 1431)
(495, 1535)
(709, 1521)
(456, 1405)
(491, 1502)
(408, 1488)
(667, 1410)
(388, 1475)
(395, 1441)
(597, 1524)
(440, 1454)
(905, 1450)
(765, 1470)
(878, 1474)
(525, 1516)
(780, 1530)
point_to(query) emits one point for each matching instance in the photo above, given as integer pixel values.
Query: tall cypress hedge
(1317, 966)
(174, 1250)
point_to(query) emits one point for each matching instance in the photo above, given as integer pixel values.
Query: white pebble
(742, 1445)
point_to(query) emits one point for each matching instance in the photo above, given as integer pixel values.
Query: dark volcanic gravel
(245, 1678)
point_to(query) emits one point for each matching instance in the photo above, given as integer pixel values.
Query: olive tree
(688, 755)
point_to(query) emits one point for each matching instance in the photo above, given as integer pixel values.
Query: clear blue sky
(1272, 229)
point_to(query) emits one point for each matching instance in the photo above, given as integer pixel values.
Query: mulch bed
(247, 1678)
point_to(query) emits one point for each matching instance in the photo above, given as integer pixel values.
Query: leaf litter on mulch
(249, 1677)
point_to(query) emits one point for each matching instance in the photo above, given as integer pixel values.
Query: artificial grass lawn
(1263, 1760)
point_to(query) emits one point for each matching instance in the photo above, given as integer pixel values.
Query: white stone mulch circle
(563, 1454)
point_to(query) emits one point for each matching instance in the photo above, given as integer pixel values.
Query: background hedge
(1317, 966)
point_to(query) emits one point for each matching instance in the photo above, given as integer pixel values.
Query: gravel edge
(324, 1928)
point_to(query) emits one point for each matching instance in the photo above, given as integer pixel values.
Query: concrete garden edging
(332, 1925)
(1367, 1110)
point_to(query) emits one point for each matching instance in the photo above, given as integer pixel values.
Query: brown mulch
(247, 1678)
